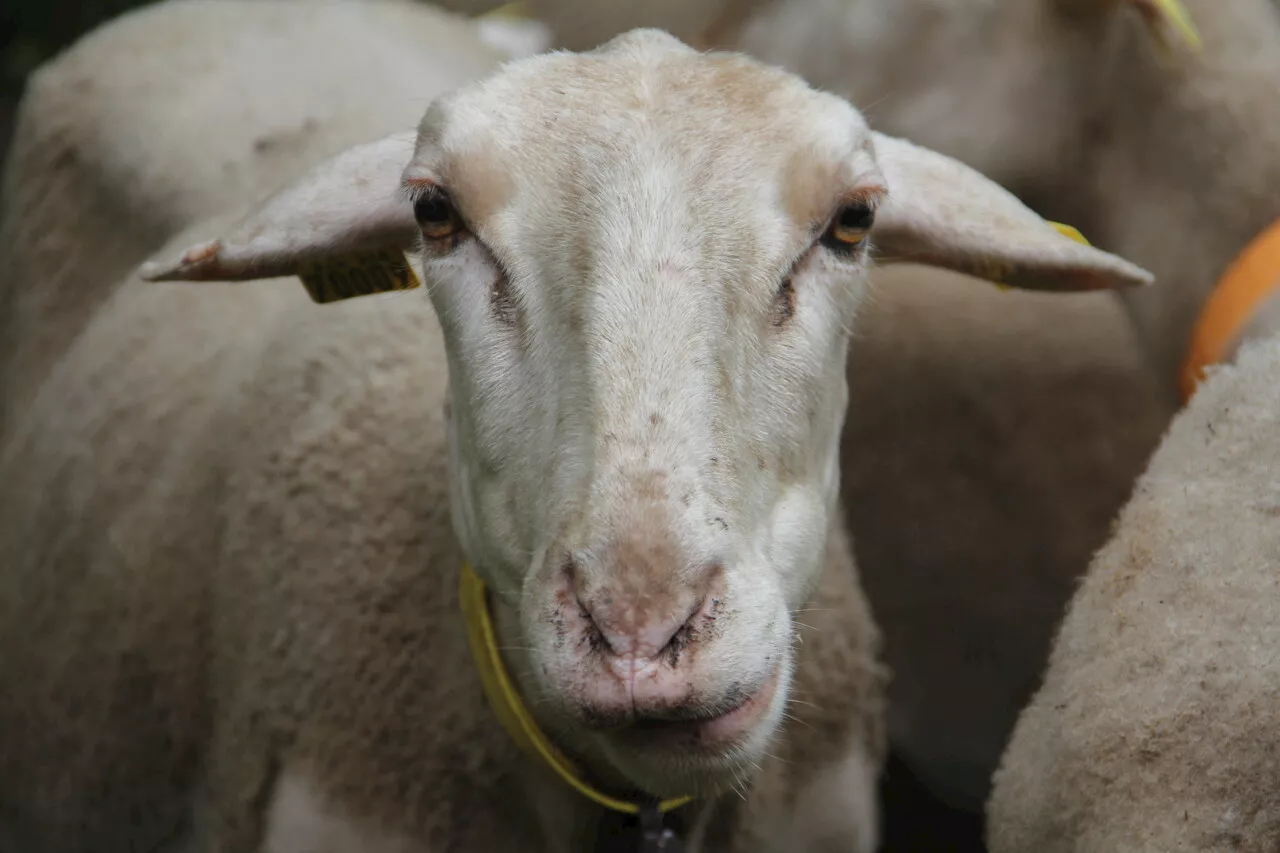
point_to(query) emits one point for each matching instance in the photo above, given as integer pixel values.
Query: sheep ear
(942, 213)
(342, 228)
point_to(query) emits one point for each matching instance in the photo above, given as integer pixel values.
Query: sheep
(1012, 426)
(1156, 726)
(233, 522)
(582, 24)
(150, 144)
(980, 428)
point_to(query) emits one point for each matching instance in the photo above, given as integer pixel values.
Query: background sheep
(188, 127)
(1157, 727)
(316, 559)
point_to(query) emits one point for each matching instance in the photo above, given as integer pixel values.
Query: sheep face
(646, 263)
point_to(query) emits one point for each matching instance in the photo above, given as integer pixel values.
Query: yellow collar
(510, 709)
(1252, 278)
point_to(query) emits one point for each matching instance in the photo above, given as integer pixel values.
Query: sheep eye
(850, 227)
(436, 215)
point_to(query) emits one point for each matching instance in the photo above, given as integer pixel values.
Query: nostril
(686, 633)
(678, 643)
(595, 637)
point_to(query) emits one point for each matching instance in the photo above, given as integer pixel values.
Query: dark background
(32, 31)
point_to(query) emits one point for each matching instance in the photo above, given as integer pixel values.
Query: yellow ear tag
(1063, 229)
(358, 274)
(1069, 232)
(995, 272)
(1173, 15)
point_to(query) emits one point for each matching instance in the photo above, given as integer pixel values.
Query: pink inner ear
(196, 254)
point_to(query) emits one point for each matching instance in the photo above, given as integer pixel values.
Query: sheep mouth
(713, 729)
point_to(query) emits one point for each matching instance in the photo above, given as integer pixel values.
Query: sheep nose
(625, 630)
(632, 623)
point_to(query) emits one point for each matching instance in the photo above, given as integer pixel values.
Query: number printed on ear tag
(358, 274)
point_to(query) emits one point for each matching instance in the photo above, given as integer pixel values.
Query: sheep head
(646, 262)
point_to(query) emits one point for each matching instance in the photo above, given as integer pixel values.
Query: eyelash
(437, 217)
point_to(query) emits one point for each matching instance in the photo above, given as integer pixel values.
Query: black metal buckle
(649, 831)
(655, 836)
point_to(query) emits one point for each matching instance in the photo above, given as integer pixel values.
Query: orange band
(1252, 277)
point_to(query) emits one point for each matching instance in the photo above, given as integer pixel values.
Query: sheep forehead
(647, 74)
(718, 135)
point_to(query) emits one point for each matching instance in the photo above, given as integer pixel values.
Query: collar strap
(509, 708)
(1251, 279)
